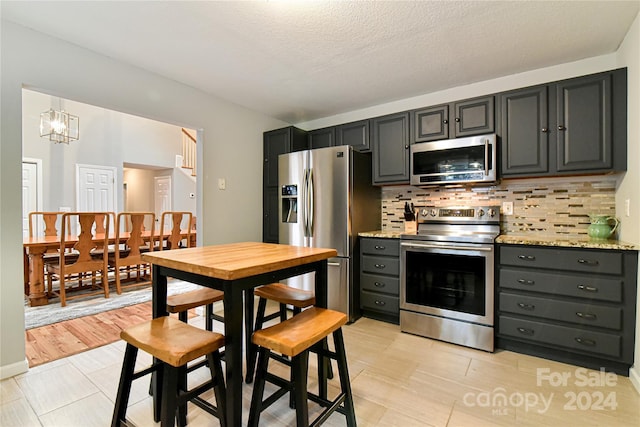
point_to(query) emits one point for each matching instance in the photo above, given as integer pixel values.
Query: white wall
(107, 138)
(629, 56)
(231, 147)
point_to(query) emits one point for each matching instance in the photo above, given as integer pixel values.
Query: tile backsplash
(546, 207)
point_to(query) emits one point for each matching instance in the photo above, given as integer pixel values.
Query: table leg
(159, 309)
(248, 324)
(37, 296)
(233, 352)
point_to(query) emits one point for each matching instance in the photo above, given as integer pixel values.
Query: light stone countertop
(510, 239)
(566, 243)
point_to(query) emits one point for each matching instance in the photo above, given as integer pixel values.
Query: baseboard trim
(634, 377)
(14, 369)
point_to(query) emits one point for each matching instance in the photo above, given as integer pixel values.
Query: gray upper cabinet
(524, 117)
(584, 123)
(431, 124)
(470, 117)
(274, 143)
(355, 134)
(474, 116)
(321, 138)
(390, 141)
(567, 127)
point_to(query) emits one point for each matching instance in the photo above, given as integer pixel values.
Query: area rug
(53, 313)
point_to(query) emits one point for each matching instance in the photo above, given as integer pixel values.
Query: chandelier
(59, 126)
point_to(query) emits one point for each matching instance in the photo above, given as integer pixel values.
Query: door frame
(39, 183)
(114, 183)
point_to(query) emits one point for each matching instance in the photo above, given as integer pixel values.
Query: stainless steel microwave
(454, 161)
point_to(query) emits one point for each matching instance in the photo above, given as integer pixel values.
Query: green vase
(600, 227)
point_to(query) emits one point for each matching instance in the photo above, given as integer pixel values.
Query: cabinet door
(355, 134)
(276, 142)
(270, 215)
(525, 131)
(584, 120)
(474, 116)
(391, 149)
(321, 138)
(430, 124)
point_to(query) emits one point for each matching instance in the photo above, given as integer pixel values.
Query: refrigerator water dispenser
(289, 203)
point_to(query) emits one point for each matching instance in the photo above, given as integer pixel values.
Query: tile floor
(397, 380)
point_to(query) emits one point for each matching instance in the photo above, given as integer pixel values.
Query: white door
(31, 192)
(162, 196)
(95, 188)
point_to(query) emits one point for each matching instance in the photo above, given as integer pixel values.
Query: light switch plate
(507, 208)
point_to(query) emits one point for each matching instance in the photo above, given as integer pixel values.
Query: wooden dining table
(34, 249)
(236, 269)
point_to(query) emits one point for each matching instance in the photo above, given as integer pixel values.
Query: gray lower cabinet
(567, 304)
(380, 279)
(567, 127)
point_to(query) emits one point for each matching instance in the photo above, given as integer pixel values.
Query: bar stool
(295, 337)
(283, 295)
(173, 344)
(182, 303)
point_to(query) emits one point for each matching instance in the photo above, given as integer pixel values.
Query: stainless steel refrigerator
(326, 199)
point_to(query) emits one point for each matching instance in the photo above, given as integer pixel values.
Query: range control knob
(491, 212)
(480, 213)
(424, 212)
(434, 212)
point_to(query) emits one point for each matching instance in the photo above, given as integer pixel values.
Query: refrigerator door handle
(310, 198)
(305, 188)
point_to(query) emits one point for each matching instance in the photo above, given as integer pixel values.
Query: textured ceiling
(303, 60)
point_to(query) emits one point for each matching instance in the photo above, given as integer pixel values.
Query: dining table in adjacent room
(236, 269)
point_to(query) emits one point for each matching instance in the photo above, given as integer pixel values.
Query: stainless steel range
(446, 275)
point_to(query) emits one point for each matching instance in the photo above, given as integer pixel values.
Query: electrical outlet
(507, 208)
(222, 183)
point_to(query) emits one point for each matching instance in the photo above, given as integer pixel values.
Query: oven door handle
(438, 246)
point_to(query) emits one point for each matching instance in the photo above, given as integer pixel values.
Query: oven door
(450, 280)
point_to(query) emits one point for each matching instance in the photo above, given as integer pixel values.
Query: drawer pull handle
(526, 331)
(526, 282)
(587, 288)
(381, 303)
(380, 266)
(379, 285)
(585, 341)
(527, 257)
(588, 262)
(526, 306)
(380, 248)
(587, 316)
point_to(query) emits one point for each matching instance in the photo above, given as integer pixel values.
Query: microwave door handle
(486, 157)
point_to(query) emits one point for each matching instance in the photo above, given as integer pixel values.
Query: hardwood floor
(53, 342)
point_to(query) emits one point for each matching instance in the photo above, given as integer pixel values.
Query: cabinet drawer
(565, 311)
(574, 338)
(380, 302)
(600, 262)
(375, 283)
(381, 265)
(583, 286)
(390, 247)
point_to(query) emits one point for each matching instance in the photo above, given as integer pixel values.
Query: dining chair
(85, 244)
(178, 237)
(47, 224)
(132, 240)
